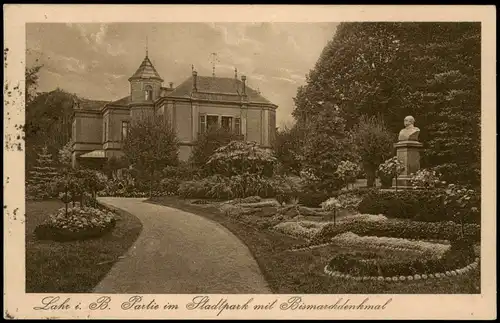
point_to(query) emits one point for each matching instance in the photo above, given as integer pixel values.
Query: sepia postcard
(249, 162)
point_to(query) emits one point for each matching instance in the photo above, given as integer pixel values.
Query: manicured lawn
(76, 266)
(290, 272)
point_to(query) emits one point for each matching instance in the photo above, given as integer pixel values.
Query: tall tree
(428, 70)
(287, 149)
(151, 145)
(325, 146)
(373, 144)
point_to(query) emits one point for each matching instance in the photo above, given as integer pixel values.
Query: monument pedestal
(408, 152)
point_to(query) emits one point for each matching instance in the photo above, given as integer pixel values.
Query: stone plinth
(409, 153)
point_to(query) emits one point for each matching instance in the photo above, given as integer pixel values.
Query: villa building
(99, 127)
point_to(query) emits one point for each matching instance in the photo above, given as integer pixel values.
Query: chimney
(171, 85)
(244, 79)
(195, 79)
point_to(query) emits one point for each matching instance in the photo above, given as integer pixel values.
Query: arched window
(148, 93)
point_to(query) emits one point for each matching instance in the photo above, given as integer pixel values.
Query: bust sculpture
(410, 132)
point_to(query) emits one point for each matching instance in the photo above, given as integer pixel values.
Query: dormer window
(148, 93)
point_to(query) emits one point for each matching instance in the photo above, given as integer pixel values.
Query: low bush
(311, 198)
(76, 223)
(419, 205)
(301, 229)
(402, 229)
(238, 186)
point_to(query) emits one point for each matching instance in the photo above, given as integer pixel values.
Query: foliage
(465, 203)
(40, 176)
(287, 149)
(150, 146)
(347, 201)
(112, 165)
(238, 186)
(312, 198)
(426, 178)
(181, 171)
(394, 69)
(428, 248)
(325, 146)
(241, 158)
(373, 144)
(401, 229)
(347, 171)
(207, 143)
(301, 229)
(48, 123)
(65, 154)
(79, 185)
(420, 205)
(76, 223)
(391, 168)
(31, 77)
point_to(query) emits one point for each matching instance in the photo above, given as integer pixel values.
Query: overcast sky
(95, 60)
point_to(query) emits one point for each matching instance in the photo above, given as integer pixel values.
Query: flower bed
(400, 229)
(350, 239)
(362, 217)
(301, 229)
(365, 265)
(79, 223)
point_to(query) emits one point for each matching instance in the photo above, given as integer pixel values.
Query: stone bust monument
(410, 132)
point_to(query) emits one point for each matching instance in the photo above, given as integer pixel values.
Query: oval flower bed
(366, 266)
(352, 239)
(79, 223)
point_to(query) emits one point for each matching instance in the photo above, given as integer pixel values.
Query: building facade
(200, 102)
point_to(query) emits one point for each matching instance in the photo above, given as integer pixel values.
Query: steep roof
(121, 102)
(217, 88)
(146, 71)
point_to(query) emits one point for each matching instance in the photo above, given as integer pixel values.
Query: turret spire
(146, 46)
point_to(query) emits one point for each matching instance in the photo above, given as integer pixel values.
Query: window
(237, 126)
(203, 123)
(212, 122)
(124, 130)
(105, 131)
(227, 123)
(148, 93)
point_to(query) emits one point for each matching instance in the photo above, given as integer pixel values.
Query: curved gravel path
(180, 252)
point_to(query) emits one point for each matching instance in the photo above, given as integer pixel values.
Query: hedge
(418, 205)
(401, 229)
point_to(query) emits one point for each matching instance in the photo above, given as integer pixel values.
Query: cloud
(94, 60)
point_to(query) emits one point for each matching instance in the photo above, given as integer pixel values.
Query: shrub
(390, 169)
(301, 229)
(207, 143)
(401, 229)
(347, 171)
(238, 157)
(312, 198)
(426, 178)
(238, 186)
(419, 205)
(75, 223)
(40, 178)
(170, 185)
(373, 143)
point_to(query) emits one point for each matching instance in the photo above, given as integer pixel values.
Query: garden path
(180, 252)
